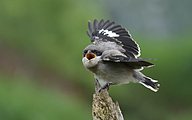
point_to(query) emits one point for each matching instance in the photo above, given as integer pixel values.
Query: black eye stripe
(84, 53)
(96, 52)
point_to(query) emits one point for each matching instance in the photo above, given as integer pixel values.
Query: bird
(113, 58)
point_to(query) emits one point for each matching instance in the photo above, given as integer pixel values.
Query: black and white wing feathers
(116, 56)
(100, 32)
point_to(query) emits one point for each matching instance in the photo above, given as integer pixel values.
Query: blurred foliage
(50, 32)
(48, 37)
(24, 100)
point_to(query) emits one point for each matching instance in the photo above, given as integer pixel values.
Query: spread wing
(113, 36)
(117, 56)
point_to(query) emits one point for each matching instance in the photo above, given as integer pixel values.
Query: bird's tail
(150, 83)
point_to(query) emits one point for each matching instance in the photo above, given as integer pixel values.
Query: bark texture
(103, 107)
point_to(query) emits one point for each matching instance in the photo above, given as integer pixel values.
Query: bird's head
(91, 56)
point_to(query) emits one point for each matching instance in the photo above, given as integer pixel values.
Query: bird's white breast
(117, 73)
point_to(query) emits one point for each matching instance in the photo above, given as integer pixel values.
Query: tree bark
(103, 108)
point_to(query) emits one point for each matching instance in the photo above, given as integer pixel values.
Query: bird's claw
(104, 86)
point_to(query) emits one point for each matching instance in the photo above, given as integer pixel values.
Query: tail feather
(151, 84)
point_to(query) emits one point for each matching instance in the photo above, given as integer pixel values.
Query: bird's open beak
(90, 56)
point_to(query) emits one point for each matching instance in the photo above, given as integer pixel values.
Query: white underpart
(108, 33)
(148, 86)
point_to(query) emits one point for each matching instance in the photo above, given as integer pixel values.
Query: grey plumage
(113, 58)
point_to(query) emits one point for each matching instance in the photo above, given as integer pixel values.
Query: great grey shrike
(113, 58)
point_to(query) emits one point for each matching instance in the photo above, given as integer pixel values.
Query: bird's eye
(84, 53)
(98, 53)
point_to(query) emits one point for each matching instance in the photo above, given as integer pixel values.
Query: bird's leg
(105, 86)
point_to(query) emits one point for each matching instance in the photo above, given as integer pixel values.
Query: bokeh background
(41, 46)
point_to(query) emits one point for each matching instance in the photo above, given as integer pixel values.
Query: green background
(42, 76)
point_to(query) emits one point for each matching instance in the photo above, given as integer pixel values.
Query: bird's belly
(116, 73)
(115, 80)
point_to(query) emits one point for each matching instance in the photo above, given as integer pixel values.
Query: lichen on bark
(103, 107)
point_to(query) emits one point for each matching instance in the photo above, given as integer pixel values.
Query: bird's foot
(105, 86)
